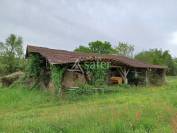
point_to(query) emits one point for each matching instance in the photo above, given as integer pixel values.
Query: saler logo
(97, 65)
(93, 65)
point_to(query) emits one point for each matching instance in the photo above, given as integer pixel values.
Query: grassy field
(131, 110)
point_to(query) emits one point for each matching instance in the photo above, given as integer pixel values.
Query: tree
(124, 49)
(96, 47)
(100, 47)
(82, 49)
(158, 57)
(11, 52)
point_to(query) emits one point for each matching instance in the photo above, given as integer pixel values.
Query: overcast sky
(66, 24)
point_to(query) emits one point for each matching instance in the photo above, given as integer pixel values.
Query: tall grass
(131, 110)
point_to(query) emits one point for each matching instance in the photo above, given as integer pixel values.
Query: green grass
(131, 110)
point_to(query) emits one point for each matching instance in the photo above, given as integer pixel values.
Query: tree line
(12, 54)
(105, 47)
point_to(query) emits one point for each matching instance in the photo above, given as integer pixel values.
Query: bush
(125, 86)
(97, 71)
(84, 89)
(33, 68)
(37, 73)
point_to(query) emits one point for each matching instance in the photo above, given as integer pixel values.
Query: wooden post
(125, 80)
(146, 77)
(164, 75)
(136, 74)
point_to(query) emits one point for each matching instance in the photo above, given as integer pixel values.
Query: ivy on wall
(97, 71)
(36, 70)
(56, 77)
(33, 68)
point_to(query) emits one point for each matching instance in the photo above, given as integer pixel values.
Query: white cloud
(66, 24)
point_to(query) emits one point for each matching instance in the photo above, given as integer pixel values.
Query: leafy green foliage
(37, 71)
(56, 76)
(33, 67)
(106, 48)
(100, 47)
(174, 67)
(83, 49)
(97, 71)
(84, 89)
(125, 49)
(96, 47)
(11, 55)
(12, 46)
(159, 57)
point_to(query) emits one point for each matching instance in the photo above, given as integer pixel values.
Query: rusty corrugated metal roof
(64, 57)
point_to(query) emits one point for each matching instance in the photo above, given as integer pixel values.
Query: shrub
(33, 68)
(37, 74)
(85, 89)
(97, 71)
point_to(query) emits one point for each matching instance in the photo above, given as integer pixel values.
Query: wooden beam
(164, 75)
(146, 77)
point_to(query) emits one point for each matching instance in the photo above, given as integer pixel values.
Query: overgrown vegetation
(86, 90)
(135, 110)
(37, 71)
(33, 68)
(159, 57)
(56, 77)
(97, 71)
